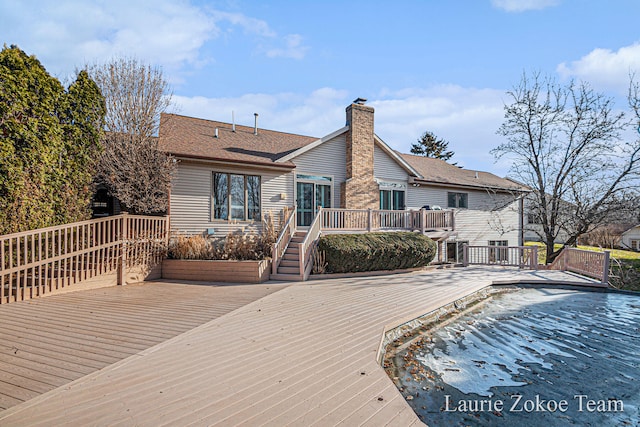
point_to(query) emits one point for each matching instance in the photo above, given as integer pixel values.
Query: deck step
(289, 262)
(292, 249)
(286, 277)
(290, 256)
(288, 270)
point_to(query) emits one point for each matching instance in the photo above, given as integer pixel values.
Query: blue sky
(438, 65)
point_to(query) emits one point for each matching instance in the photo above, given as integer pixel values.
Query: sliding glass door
(310, 195)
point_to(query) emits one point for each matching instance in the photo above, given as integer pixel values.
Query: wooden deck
(48, 342)
(305, 355)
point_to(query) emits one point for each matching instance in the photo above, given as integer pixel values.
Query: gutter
(264, 165)
(468, 186)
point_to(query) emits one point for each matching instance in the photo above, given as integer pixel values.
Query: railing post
(423, 220)
(301, 260)
(465, 255)
(607, 263)
(274, 258)
(534, 258)
(122, 262)
(369, 220)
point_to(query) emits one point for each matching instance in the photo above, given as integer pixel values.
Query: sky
(443, 66)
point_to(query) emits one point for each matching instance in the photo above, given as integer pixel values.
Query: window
(498, 254)
(236, 197)
(457, 200)
(635, 245)
(392, 200)
(532, 218)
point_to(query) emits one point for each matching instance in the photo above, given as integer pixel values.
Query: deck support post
(122, 262)
(607, 263)
(465, 255)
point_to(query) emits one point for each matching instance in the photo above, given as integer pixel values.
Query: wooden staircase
(289, 268)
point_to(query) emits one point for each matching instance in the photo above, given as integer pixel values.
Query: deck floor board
(302, 356)
(48, 342)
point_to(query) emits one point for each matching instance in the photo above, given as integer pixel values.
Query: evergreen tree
(47, 152)
(429, 145)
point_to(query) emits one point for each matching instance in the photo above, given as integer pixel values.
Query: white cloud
(523, 5)
(604, 67)
(249, 25)
(71, 33)
(293, 48)
(466, 117)
(169, 33)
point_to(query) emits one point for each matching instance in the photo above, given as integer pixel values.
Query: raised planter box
(216, 270)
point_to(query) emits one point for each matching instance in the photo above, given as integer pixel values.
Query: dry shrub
(236, 245)
(190, 247)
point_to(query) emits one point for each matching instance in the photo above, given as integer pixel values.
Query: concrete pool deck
(303, 355)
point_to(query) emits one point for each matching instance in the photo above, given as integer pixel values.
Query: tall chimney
(255, 125)
(360, 190)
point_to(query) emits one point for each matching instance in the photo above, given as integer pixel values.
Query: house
(533, 229)
(631, 238)
(231, 177)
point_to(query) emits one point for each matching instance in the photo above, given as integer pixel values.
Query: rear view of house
(231, 178)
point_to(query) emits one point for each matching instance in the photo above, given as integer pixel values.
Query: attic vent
(360, 101)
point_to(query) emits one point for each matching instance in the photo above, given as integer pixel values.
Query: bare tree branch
(131, 166)
(566, 144)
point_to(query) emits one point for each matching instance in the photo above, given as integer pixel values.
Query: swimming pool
(535, 356)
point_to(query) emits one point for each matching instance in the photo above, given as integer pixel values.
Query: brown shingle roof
(195, 138)
(441, 172)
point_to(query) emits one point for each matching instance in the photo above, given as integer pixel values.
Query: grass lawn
(625, 265)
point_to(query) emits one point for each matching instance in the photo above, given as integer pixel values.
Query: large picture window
(236, 197)
(457, 200)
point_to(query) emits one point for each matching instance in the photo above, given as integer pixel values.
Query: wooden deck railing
(36, 262)
(588, 263)
(514, 256)
(280, 246)
(308, 245)
(338, 220)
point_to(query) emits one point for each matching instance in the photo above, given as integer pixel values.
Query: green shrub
(350, 253)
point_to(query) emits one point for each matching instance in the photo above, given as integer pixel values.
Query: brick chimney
(360, 190)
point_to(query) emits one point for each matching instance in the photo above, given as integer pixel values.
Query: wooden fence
(513, 256)
(587, 263)
(37, 262)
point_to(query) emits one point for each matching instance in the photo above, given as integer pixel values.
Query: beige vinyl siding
(327, 159)
(480, 226)
(489, 216)
(385, 168)
(191, 198)
(628, 236)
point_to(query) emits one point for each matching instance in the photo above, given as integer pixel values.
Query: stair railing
(280, 246)
(307, 245)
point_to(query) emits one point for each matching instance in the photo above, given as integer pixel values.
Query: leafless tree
(566, 144)
(131, 166)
